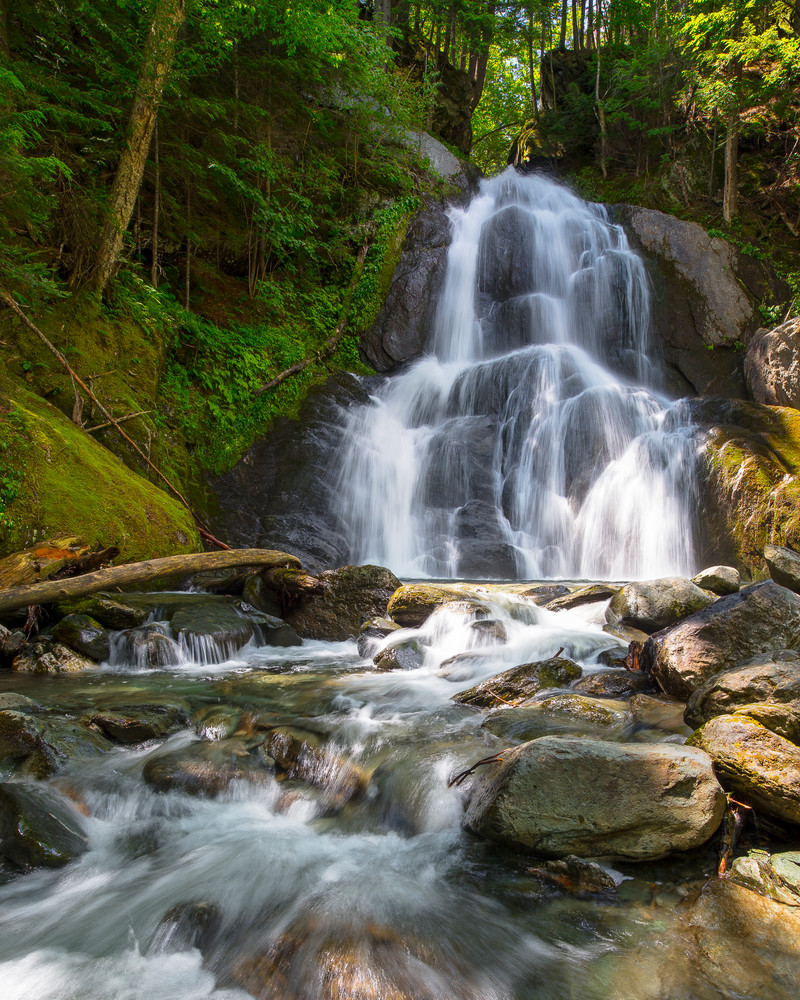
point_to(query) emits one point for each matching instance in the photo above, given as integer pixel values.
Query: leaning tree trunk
(159, 52)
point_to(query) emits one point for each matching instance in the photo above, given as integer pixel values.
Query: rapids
(265, 890)
(534, 439)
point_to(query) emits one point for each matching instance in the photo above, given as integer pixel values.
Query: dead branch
(459, 778)
(120, 420)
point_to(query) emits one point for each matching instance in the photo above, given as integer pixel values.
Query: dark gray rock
(404, 654)
(784, 566)
(109, 610)
(38, 827)
(772, 365)
(722, 636)
(583, 595)
(279, 495)
(405, 322)
(153, 649)
(613, 684)
(611, 799)
(84, 635)
(37, 746)
(138, 723)
(371, 633)
(352, 595)
(505, 256)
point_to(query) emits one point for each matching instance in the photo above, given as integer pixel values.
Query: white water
(533, 440)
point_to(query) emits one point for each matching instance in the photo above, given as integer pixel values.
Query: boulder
(412, 603)
(562, 795)
(37, 746)
(206, 768)
(748, 480)
(84, 635)
(584, 710)
(722, 636)
(352, 594)
(756, 765)
(527, 722)
(216, 722)
(719, 579)
(151, 648)
(575, 874)
(772, 365)
(371, 633)
(776, 877)
(405, 321)
(769, 677)
(402, 654)
(302, 756)
(783, 565)
(520, 683)
(38, 827)
(506, 254)
(45, 657)
(657, 712)
(612, 683)
(137, 723)
(583, 595)
(651, 605)
(545, 592)
(109, 610)
(11, 641)
(211, 631)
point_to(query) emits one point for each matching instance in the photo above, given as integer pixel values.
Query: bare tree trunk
(562, 42)
(575, 38)
(601, 112)
(590, 25)
(730, 198)
(156, 211)
(159, 52)
(534, 98)
(5, 52)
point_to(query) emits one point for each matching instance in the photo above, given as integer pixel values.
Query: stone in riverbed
(371, 633)
(84, 635)
(612, 684)
(651, 605)
(584, 595)
(206, 768)
(137, 723)
(731, 631)
(519, 683)
(413, 603)
(756, 765)
(301, 755)
(592, 711)
(45, 657)
(352, 594)
(784, 566)
(404, 654)
(776, 877)
(769, 677)
(110, 611)
(38, 827)
(562, 795)
(576, 874)
(37, 746)
(546, 592)
(720, 580)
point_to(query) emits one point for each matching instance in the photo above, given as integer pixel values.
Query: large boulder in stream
(413, 603)
(756, 765)
(724, 635)
(351, 595)
(562, 795)
(36, 745)
(651, 605)
(38, 827)
(520, 683)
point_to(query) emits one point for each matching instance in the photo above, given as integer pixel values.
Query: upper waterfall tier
(532, 441)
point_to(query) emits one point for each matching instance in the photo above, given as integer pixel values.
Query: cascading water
(534, 440)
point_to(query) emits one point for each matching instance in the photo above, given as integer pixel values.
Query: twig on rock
(459, 778)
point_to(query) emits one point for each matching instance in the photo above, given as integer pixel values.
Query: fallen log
(139, 573)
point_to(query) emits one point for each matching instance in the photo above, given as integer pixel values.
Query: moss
(71, 483)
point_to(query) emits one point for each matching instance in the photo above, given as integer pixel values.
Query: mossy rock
(750, 480)
(38, 828)
(68, 482)
(413, 603)
(109, 610)
(520, 683)
(84, 635)
(36, 746)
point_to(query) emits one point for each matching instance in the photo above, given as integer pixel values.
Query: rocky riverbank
(648, 721)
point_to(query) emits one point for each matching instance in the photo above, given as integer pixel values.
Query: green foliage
(13, 444)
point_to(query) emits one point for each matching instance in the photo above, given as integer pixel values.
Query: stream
(280, 889)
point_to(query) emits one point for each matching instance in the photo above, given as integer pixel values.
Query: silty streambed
(285, 889)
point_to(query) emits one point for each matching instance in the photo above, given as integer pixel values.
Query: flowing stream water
(285, 888)
(534, 439)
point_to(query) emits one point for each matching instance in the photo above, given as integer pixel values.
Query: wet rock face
(38, 828)
(783, 565)
(278, 495)
(405, 322)
(705, 294)
(351, 595)
(722, 636)
(772, 365)
(37, 745)
(651, 605)
(755, 764)
(206, 769)
(614, 800)
(84, 635)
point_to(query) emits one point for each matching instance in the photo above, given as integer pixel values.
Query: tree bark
(138, 573)
(730, 198)
(159, 52)
(156, 211)
(534, 98)
(562, 42)
(5, 52)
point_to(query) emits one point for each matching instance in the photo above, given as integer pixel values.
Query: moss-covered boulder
(36, 746)
(756, 765)
(583, 595)
(110, 610)
(520, 683)
(137, 723)
(749, 480)
(412, 604)
(65, 481)
(84, 635)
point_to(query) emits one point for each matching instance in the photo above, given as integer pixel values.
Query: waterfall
(534, 440)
